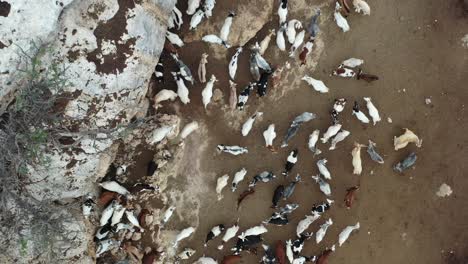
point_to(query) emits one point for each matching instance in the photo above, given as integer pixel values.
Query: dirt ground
(415, 49)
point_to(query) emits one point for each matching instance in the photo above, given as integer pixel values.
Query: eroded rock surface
(109, 49)
(19, 30)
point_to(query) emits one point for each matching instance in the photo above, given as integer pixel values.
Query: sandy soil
(415, 49)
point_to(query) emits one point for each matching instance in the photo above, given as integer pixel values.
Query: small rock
(101, 136)
(428, 101)
(136, 236)
(444, 190)
(464, 41)
(128, 235)
(217, 95)
(403, 236)
(149, 219)
(389, 120)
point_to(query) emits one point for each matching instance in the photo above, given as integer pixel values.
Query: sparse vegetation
(24, 246)
(31, 126)
(29, 123)
(27, 127)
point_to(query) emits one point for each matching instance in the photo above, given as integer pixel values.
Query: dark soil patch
(4, 8)
(461, 9)
(71, 163)
(140, 169)
(62, 101)
(73, 55)
(66, 140)
(452, 258)
(151, 168)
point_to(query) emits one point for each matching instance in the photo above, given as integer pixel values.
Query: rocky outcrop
(22, 26)
(52, 233)
(109, 49)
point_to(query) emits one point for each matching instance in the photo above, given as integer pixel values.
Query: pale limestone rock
(36, 242)
(18, 29)
(110, 70)
(464, 41)
(108, 75)
(217, 95)
(444, 190)
(72, 175)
